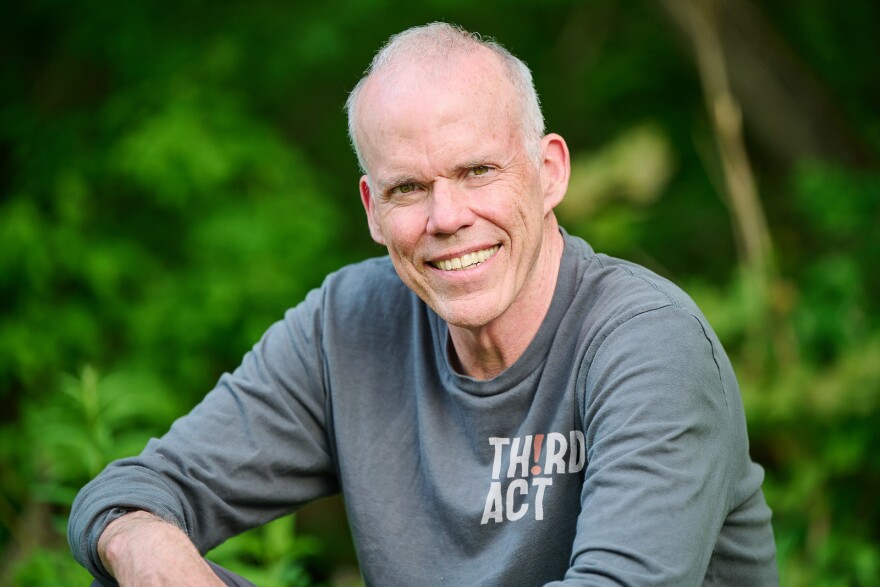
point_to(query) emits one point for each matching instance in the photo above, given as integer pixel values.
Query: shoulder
(368, 271)
(629, 314)
(364, 299)
(366, 290)
(619, 289)
(371, 285)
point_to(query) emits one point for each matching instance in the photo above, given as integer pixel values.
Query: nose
(449, 210)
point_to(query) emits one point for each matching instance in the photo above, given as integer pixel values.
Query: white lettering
(498, 443)
(556, 447)
(541, 483)
(578, 455)
(520, 459)
(523, 488)
(494, 509)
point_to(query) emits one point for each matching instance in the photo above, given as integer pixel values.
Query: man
(499, 404)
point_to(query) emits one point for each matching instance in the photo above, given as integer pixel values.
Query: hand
(143, 550)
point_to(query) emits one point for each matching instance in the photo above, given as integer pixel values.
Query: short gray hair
(436, 42)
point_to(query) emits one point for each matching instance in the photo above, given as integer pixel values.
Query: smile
(465, 261)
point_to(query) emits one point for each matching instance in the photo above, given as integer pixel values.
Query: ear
(555, 170)
(370, 209)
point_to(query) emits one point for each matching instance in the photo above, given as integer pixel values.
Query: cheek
(401, 228)
(516, 211)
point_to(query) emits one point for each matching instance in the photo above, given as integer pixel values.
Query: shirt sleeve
(663, 451)
(254, 449)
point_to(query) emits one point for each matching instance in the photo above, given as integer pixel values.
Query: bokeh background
(173, 176)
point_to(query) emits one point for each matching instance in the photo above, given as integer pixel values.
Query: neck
(484, 352)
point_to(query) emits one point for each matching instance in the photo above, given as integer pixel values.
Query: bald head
(434, 51)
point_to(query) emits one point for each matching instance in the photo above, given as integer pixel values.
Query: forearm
(267, 416)
(140, 549)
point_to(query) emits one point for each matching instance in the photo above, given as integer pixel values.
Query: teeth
(467, 260)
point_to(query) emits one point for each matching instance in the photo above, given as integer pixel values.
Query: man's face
(451, 190)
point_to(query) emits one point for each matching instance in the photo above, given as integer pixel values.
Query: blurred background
(173, 176)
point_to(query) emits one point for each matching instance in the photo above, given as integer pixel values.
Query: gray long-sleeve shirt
(614, 451)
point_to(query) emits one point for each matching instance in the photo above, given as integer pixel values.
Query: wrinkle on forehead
(397, 102)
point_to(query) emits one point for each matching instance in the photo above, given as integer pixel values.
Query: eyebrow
(474, 162)
(471, 163)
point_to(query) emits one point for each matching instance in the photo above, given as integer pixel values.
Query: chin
(464, 315)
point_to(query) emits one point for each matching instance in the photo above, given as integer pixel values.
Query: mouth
(465, 261)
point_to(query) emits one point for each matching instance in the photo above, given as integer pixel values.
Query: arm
(254, 449)
(663, 454)
(141, 549)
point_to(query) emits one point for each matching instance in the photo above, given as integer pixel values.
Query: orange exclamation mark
(539, 440)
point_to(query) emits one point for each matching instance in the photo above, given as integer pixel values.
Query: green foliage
(270, 556)
(92, 421)
(818, 434)
(173, 178)
(50, 567)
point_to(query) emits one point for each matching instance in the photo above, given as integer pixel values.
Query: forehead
(436, 107)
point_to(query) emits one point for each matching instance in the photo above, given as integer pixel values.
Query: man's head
(435, 45)
(460, 182)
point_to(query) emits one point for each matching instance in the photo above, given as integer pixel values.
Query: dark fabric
(229, 577)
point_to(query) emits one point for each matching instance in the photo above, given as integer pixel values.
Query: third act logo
(522, 471)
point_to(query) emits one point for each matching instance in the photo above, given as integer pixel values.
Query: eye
(480, 170)
(406, 188)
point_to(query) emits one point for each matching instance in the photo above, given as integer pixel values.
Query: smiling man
(462, 194)
(498, 403)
